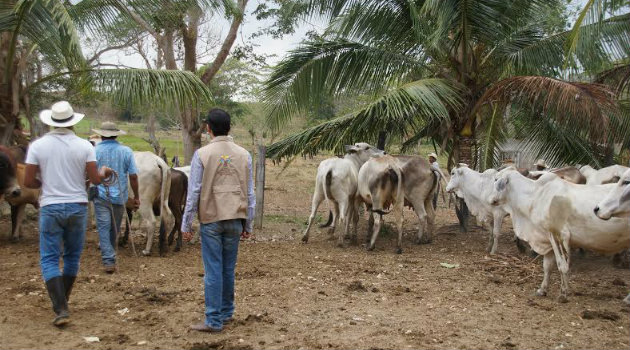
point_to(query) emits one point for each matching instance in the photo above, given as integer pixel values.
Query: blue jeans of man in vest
(61, 231)
(219, 249)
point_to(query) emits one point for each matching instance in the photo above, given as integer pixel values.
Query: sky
(263, 45)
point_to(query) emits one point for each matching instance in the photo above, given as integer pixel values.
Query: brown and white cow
(154, 184)
(336, 181)
(568, 173)
(386, 180)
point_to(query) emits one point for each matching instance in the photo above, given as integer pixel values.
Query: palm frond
(336, 67)
(585, 106)
(618, 78)
(399, 112)
(147, 87)
(490, 133)
(592, 16)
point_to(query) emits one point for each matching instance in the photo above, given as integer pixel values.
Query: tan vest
(224, 183)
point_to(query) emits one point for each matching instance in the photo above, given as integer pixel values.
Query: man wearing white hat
(61, 158)
(109, 205)
(436, 169)
(540, 165)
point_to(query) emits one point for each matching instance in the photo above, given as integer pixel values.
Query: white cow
(154, 183)
(553, 215)
(336, 181)
(617, 203)
(184, 169)
(605, 175)
(475, 188)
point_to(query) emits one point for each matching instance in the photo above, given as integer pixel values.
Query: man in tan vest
(221, 188)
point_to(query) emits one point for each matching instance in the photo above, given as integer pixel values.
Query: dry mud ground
(314, 296)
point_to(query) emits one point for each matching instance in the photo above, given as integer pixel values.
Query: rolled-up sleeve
(194, 190)
(251, 196)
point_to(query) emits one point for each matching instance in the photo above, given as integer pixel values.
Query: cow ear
(350, 149)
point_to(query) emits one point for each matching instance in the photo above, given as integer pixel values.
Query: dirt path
(316, 296)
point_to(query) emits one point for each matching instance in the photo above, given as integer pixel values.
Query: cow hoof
(370, 248)
(177, 248)
(146, 252)
(14, 240)
(399, 251)
(563, 299)
(305, 239)
(423, 241)
(627, 300)
(541, 293)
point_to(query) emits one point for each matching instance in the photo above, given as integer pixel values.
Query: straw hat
(433, 155)
(109, 129)
(541, 162)
(60, 115)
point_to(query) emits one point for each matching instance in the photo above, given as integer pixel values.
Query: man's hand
(136, 204)
(105, 172)
(187, 236)
(245, 235)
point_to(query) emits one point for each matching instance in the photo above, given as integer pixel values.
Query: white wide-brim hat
(60, 115)
(433, 155)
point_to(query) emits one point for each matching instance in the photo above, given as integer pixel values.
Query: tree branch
(209, 74)
(110, 48)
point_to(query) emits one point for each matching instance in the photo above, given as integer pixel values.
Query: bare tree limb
(110, 48)
(209, 74)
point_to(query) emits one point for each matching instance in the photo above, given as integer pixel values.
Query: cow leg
(355, 220)
(17, 217)
(344, 212)
(148, 220)
(496, 232)
(318, 197)
(627, 299)
(549, 262)
(399, 217)
(563, 255)
(335, 213)
(419, 208)
(122, 241)
(378, 220)
(370, 227)
(430, 218)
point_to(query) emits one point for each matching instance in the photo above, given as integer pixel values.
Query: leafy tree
(46, 33)
(466, 73)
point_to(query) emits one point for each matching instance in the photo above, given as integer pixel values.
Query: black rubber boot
(58, 297)
(68, 282)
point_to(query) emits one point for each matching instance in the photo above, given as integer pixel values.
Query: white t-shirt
(61, 156)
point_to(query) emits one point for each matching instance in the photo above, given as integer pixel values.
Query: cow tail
(185, 193)
(163, 199)
(326, 188)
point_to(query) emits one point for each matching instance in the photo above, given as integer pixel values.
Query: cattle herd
(553, 211)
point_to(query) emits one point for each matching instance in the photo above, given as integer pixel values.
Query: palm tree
(465, 73)
(47, 31)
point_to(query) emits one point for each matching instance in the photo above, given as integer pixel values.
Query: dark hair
(219, 121)
(109, 137)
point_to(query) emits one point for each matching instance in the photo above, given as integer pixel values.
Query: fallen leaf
(449, 266)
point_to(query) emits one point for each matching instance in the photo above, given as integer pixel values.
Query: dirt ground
(290, 295)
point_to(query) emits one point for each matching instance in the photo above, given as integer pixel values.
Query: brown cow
(386, 180)
(568, 173)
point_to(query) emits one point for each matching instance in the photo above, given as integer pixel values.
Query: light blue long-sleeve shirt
(194, 191)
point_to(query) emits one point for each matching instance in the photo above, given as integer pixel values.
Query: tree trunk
(9, 100)
(192, 142)
(382, 138)
(466, 150)
(168, 48)
(209, 74)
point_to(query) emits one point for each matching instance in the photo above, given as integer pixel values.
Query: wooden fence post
(260, 186)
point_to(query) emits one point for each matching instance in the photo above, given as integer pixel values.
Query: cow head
(455, 183)
(499, 191)
(617, 203)
(363, 151)
(9, 186)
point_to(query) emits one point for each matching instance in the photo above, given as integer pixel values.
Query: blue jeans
(219, 248)
(61, 230)
(107, 232)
